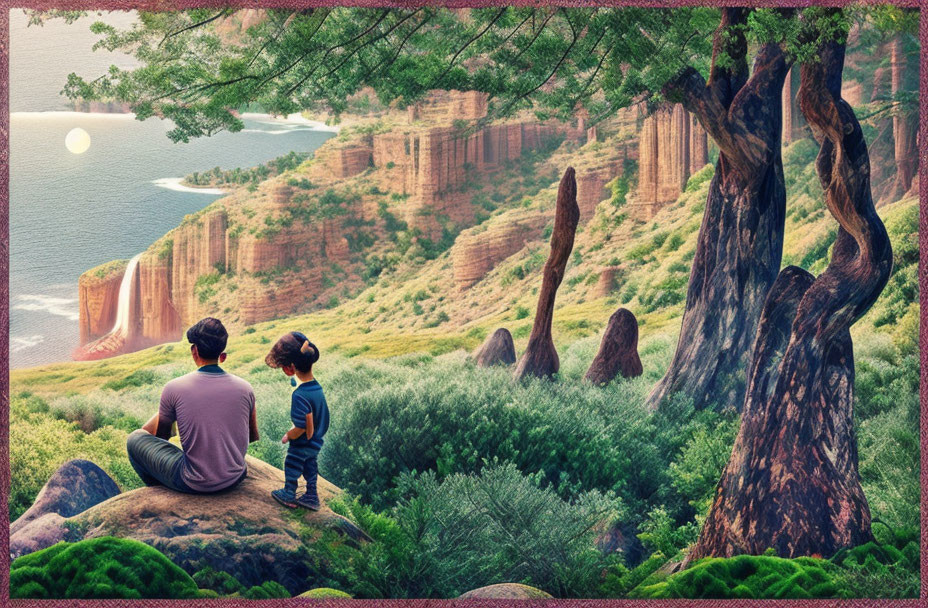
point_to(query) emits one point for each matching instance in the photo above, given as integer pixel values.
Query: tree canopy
(199, 64)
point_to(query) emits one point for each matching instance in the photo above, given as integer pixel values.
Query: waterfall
(121, 326)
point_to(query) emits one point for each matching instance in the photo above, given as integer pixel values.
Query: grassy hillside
(405, 398)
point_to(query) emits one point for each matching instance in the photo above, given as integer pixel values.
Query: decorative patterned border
(162, 5)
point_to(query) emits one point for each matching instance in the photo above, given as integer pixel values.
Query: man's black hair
(210, 337)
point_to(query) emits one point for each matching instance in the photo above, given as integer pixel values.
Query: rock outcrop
(75, 487)
(506, 591)
(343, 160)
(433, 165)
(608, 278)
(618, 351)
(241, 531)
(498, 349)
(672, 145)
(540, 357)
(477, 252)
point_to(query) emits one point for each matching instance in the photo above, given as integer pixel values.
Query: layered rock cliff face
(672, 145)
(475, 253)
(433, 165)
(290, 245)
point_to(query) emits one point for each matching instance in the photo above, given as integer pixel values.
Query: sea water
(68, 212)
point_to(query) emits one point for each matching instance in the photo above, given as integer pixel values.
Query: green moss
(109, 268)
(99, 568)
(265, 591)
(746, 577)
(325, 592)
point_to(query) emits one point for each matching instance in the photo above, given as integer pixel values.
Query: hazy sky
(41, 57)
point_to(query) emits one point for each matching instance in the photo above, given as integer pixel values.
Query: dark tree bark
(618, 351)
(740, 242)
(498, 349)
(540, 357)
(792, 481)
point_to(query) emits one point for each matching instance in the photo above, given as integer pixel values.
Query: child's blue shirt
(309, 398)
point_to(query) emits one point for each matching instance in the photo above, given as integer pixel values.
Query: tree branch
(221, 13)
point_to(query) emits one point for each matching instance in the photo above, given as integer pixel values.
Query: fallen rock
(241, 531)
(498, 349)
(618, 351)
(506, 591)
(76, 486)
(540, 357)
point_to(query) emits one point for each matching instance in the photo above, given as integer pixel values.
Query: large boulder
(506, 591)
(241, 531)
(75, 487)
(498, 349)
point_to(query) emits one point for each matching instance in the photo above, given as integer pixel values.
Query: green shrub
(746, 577)
(221, 582)
(140, 377)
(99, 568)
(265, 591)
(446, 537)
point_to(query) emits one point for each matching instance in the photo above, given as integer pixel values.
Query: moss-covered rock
(99, 568)
(506, 591)
(325, 592)
(241, 532)
(746, 577)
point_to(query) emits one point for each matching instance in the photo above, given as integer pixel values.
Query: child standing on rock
(295, 355)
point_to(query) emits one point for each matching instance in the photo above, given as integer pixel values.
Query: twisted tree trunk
(792, 481)
(540, 357)
(741, 239)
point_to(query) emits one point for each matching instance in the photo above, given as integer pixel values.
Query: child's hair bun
(294, 349)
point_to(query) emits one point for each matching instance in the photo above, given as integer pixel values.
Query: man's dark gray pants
(157, 461)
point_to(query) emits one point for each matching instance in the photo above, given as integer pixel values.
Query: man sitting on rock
(216, 420)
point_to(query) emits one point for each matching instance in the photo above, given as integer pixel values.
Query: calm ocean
(71, 212)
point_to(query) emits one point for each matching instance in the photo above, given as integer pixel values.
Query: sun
(77, 141)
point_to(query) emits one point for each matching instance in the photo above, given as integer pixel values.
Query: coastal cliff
(98, 294)
(298, 241)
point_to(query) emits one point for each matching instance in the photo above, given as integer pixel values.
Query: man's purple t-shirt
(213, 411)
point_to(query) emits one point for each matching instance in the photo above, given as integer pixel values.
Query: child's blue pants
(301, 460)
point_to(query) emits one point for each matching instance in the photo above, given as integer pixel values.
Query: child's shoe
(309, 502)
(287, 499)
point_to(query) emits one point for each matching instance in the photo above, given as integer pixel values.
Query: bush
(446, 537)
(140, 377)
(99, 568)
(222, 583)
(746, 577)
(266, 590)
